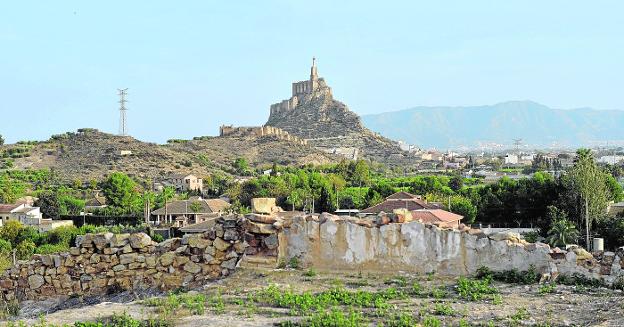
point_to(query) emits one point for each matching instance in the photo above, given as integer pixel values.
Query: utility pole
(517, 143)
(123, 128)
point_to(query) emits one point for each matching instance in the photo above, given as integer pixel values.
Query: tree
(195, 207)
(588, 183)
(462, 206)
(295, 199)
(70, 205)
(562, 231)
(121, 192)
(241, 165)
(456, 183)
(1, 140)
(11, 230)
(49, 203)
(10, 189)
(361, 173)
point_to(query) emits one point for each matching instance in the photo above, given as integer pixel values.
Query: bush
(512, 276)
(475, 290)
(51, 248)
(5, 247)
(25, 249)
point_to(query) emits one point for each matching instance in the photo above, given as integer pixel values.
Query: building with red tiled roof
(399, 200)
(437, 217)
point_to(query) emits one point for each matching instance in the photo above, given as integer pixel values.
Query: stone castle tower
(300, 90)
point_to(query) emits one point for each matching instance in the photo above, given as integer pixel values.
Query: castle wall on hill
(260, 131)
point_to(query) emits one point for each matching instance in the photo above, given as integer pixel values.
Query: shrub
(310, 273)
(578, 279)
(547, 288)
(25, 250)
(51, 248)
(475, 290)
(5, 247)
(430, 321)
(443, 309)
(512, 276)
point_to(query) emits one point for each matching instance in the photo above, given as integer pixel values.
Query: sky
(191, 66)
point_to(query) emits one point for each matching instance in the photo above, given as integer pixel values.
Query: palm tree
(562, 232)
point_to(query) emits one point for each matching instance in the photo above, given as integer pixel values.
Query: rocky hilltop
(91, 154)
(313, 114)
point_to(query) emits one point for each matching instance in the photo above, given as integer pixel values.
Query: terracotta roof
(184, 207)
(399, 200)
(7, 208)
(432, 216)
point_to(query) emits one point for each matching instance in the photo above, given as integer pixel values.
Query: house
(186, 212)
(184, 183)
(8, 212)
(29, 216)
(615, 209)
(437, 217)
(399, 200)
(21, 212)
(94, 203)
(511, 159)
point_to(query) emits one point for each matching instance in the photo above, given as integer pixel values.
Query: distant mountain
(535, 124)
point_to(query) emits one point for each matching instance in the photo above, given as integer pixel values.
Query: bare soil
(522, 305)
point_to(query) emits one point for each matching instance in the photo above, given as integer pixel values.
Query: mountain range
(476, 126)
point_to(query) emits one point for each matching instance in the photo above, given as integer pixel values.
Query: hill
(327, 124)
(536, 124)
(90, 154)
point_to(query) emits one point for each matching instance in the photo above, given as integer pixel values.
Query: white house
(511, 159)
(183, 182)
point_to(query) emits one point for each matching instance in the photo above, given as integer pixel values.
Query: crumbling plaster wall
(331, 242)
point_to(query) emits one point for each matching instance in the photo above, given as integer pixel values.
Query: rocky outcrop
(104, 263)
(329, 125)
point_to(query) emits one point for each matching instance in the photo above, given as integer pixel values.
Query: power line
(123, 128)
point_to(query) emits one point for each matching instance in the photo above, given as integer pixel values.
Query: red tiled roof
(432, 216)
(7, 208)
(389, 206)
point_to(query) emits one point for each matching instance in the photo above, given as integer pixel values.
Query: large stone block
(263, 205)
(140, 240)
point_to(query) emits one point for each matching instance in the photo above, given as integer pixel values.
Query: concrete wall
(332, 242)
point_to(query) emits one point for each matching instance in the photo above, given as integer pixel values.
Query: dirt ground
(230, 302)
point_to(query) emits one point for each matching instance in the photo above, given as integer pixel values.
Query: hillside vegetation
(90, 154)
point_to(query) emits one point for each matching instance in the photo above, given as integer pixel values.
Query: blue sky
(192, 65)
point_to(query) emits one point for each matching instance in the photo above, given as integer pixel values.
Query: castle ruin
(299, 90)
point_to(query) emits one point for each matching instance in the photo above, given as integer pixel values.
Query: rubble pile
(106, 263)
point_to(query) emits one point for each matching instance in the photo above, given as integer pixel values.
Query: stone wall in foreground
(343, 243)
(107, 263)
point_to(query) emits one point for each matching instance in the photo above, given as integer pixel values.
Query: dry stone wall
(105, 263)
(342, 243)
